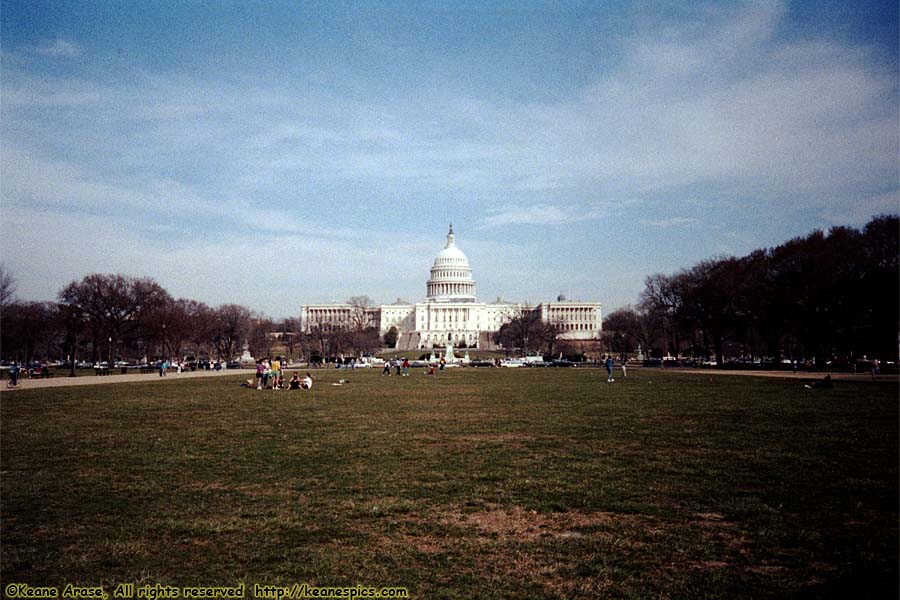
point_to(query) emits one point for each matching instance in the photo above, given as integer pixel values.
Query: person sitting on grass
(306, 383)
(820, 385)
(294, 383)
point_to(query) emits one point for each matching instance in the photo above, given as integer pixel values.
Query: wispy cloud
(58, 48)
(539, 215)
(672, 222)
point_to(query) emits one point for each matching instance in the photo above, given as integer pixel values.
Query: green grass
(544, 483)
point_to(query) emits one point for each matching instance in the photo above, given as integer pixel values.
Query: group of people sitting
(295, 383)
(269, 376)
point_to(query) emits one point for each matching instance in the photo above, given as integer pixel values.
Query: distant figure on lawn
(276, 368)
(294, 383)
(609, 368)
(306, 383)
(405, 367)
(387, 368)
(823, 384)
(259, 374)
(624, 368)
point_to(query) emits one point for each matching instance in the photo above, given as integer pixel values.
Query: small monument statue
(448, 353)
(245, 355)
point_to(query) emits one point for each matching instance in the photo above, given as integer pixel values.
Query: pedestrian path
(783, 374)
(64, 381)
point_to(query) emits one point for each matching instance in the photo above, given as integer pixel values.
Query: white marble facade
(451, 311)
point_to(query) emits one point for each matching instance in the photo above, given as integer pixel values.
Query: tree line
(827, 296)
(526, 331)
(116, 316)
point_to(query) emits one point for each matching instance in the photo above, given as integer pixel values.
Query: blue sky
(276, 154)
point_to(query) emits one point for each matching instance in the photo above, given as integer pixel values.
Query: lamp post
(109, 359)
(163, 349)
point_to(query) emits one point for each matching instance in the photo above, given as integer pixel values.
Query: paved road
(63, 381)
(788, 374)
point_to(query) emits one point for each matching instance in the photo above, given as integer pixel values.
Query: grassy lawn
(544, 483)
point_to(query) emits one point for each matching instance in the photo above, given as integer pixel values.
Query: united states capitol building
(451, 312)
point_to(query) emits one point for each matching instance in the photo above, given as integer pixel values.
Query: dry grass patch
(519, 525)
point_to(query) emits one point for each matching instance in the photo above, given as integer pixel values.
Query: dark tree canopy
(114, 305)
(390, 337)
(826, 296)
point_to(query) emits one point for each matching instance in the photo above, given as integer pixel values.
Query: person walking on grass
(609, 368)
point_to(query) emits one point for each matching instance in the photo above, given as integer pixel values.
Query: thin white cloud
(672, 222)
(58, 48)
(539, 215)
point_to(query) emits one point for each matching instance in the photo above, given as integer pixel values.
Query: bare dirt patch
(518, 524)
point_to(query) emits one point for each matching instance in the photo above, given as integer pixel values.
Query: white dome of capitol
(451, 256)
(451, 275)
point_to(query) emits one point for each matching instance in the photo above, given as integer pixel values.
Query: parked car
(513, 363)
(562, 362)
(481, 363)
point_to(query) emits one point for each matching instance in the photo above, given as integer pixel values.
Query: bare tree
(523, 330)
(232, 327)
(202, 325)
(663, 295)
(169, 328)
(28, 328)
(290, 328)
(551, 332)
(360, 312)
(259, 335)
(113, 305)
(7, 287)
(621, 330)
